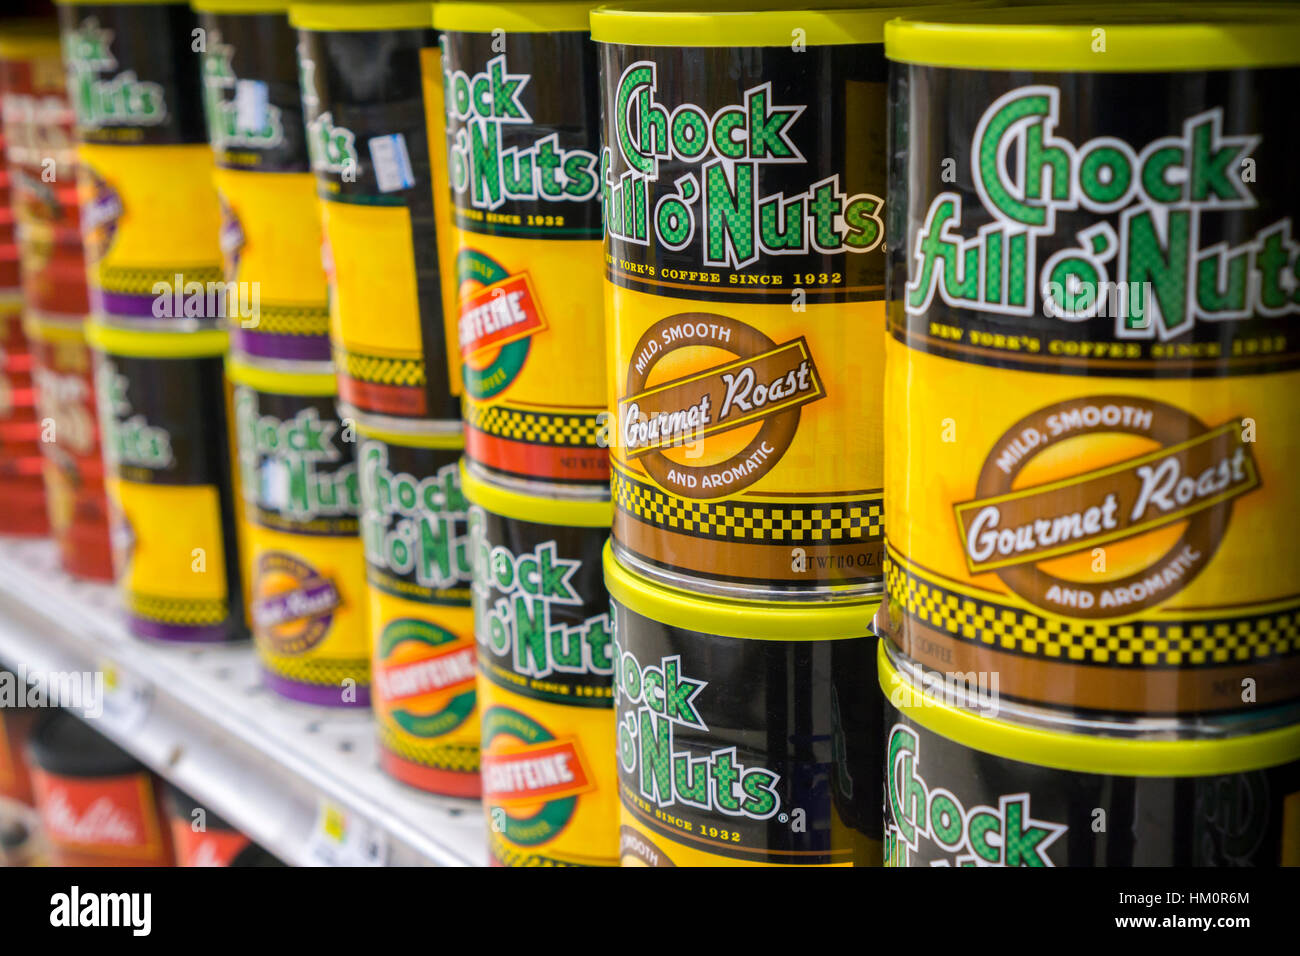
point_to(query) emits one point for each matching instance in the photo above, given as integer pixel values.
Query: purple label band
(298, 348)
(158, 631)
(127, 306)
(321, 695)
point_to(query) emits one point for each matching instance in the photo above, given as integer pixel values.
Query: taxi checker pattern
(136, 281)
(380, 370)
(304, 320)
(510, 855)
(458, 757)
(1228, 639)
(854, 520)
(539, 428)
(185, 612)
(321, 672)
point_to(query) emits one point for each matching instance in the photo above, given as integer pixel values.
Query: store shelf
(300, 780)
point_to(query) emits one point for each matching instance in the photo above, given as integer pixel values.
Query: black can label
(171, 496)
(250, 81)
(415, 523)
(736, 751)
(523, 127)
(366, 127)
(1039, 228)
(541, 613)
(134, 73)
(949, 805)
(298, 472)
(745, 175)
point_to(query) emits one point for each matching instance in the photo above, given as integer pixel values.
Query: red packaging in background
(98, 805)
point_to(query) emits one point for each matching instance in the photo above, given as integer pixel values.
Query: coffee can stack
(296, 462)
(22, 489)
(367, 108)
(522, 141)
(41, 156)
(743, 182)
(150, 223)
(1090, 649)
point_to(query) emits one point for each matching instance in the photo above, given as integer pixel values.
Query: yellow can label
(413, 525)
(368, 141)
(1091, 425)
(306, 568)
(151, 220)
(549, 781)
(271, 241)
(747, 444)
(171, 495)
(546, 663)
(522, 172)
(528, 308)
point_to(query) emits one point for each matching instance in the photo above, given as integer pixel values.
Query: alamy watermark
(235, 301)
(80, 691)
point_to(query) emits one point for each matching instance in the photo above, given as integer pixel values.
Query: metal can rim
(1096, 753)
(1139, 38)
(333, 16)
(752, 620)
(565, 512)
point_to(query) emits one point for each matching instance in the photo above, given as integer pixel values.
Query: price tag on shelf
(342, 838)
(125, 700)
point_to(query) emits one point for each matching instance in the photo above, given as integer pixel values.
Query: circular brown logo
(725, 375)
(1075, 505)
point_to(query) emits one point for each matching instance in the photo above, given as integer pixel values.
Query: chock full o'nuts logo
(767, 383)
(1131, 506)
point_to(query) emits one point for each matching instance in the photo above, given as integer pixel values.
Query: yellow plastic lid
(240, 6)
(530, 17)
(162, 344)
(414, 437)
(1086, 753)
(764, 621)
(711, 23)
(336, 15)
(279, 382)
(1101, 38)
(566, 512)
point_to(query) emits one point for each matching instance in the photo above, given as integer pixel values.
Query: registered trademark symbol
(784, 818)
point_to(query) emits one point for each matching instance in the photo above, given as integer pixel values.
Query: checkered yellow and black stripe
(141, 281)
(305, 320)
(380, 370)
(535, 428)
(761, 522)
(510, 855)
(318, 671)
(183, 612)
(460, 758)
(1229, 639)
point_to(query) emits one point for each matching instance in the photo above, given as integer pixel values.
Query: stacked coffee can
(522, 139)
(743, 177)
(41, 157)
(367, 106)
(300, 496)
(150, 221)
(22, 491)
(1090, 652)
